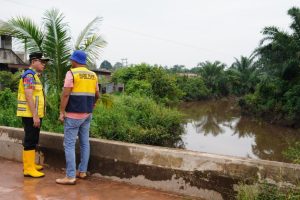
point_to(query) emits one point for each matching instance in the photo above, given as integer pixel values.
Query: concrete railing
(190, 173)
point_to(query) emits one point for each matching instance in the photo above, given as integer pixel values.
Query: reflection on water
(217, 127)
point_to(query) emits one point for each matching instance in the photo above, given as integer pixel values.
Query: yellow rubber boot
(38, 167)
(29, 166)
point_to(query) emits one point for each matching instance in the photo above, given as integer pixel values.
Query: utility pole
(124, 62)
(25, 50)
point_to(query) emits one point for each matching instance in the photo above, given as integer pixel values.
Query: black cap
(37, 55)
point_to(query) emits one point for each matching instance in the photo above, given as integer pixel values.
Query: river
(218, 127)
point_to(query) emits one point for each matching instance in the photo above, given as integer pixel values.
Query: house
(103, 74)
(10, 60)
(189, 75)
(105, 83)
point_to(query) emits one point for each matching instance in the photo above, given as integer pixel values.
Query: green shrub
(151, 81)
(292, 103)
(8, 112)
(247, 192)
(293, 153)
(265, 191)
(137, 119)
(9, 80)
(164, 86)
(50, 121)
(272, 192)
(141, 87)
(126, 118)
(8, 108)
(107, 100)
(276, 100)
(194, 88)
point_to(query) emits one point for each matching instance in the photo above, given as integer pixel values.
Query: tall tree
(243, 75)
(53, 38)
(278, 93)
(214, 76)
(117, 65)
(178, 69)
(279, 50)
(106, 65)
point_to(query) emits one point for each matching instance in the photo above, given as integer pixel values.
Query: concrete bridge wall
(190, 173)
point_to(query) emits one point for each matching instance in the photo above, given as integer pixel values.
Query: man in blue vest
(78, 99)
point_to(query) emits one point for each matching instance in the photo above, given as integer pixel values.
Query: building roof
(187, 74)
(9, 58)
(101, 70)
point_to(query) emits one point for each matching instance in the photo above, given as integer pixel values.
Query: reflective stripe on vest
(82, 97)
(23, 109)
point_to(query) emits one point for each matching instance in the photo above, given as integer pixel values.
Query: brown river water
(218, 127)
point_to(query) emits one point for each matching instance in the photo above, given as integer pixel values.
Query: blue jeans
(72, 128)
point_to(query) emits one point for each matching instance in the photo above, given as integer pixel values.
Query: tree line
(266, 82)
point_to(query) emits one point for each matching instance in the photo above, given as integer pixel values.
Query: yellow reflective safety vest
(82, 97)
(38, 96)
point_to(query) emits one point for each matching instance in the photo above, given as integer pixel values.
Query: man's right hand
(36, 121)
(61, 117)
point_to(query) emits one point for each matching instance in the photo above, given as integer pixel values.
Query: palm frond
(269, 33)
(87, 32)
(295, 14)
(56, 46)
(24, 29)
(93, 47)
(272, 33)
(90, 41)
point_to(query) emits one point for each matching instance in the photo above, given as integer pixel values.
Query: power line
(166, 40)
(139, 33)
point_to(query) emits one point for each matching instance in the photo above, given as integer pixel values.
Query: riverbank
(217, 126)
(270, 117)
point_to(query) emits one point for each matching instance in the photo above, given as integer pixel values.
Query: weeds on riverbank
(293, 153)
(265, 191)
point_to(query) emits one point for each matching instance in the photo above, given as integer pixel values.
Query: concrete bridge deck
(14, 186)
(194, 174)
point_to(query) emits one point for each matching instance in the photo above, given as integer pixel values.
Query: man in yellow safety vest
(31, 107)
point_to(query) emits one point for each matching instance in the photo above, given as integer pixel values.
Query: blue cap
(79, 57)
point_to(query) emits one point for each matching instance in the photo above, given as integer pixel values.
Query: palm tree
(243, 75)
(53, 38)
(91, 41)
(277, 96)
(279, 50)
(213, 75)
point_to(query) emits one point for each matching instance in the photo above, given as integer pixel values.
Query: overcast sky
(167, 32)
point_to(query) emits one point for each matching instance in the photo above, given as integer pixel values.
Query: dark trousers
(32, 134)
